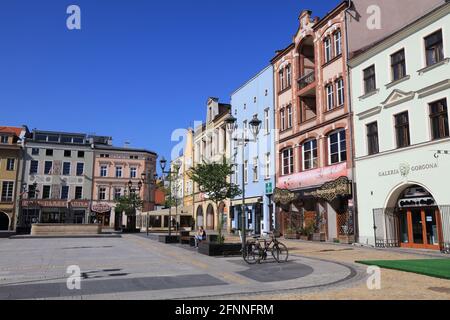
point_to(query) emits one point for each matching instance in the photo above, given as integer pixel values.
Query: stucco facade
(255, 98)
(397, 178)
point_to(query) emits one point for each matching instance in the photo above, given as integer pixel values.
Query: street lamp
(163, 163)
(255, 127)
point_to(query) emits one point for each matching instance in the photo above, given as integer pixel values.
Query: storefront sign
(45, 203)
(312, 177)
(101, 208)
(284, 197)
(269, 188)
(331, 190)
(405, 169)
(79, 204)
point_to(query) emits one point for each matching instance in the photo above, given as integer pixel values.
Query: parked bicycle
(258, 249)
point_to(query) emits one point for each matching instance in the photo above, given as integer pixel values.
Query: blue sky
(138, 69)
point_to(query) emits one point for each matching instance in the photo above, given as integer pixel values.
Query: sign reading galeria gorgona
(405, 169)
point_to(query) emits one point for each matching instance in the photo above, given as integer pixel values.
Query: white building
(400, 92)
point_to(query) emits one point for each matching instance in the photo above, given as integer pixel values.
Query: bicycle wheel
(280, 252)
(252, 253)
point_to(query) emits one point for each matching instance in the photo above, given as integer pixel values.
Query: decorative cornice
(434, 88)
(369, 113)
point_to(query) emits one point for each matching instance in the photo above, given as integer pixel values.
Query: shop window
(434, 48)
(402, 130)
(372, 138)
(439, 119)
(337, 147)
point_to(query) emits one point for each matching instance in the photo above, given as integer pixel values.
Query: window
(266, 121)
(7, 191)
(402, 130)
(102, 193)
(310, 155)
(246, 171)
(35, 151)
(67, 153)
(103, 171)
(372, 138)
(439, 119)
(282, 120)
(398, 65)
(337, 43)
(327, 46)
(117, 193)
(80, 154)
(289, 117)
(64, 192)
(32, 191)
(281, 77)
(288, 162)
(133, 172)
(10, 164)
(104, 155)
(4, 139)
(118, 172)
(337, 147)
(340, 92)
(48, 167)
(66, 169)
(46, 192)
(34, 164)
(49, 152)
(434, 48)
(288, 76)
(255, 169)
(330, 96)
(267, 166)
(245, 126)
(369, 80)
(78, 193)
(80, 169)
(53, 138)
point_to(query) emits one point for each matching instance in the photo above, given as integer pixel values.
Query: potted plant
(307, 232)
(317, 234)
(291, 233)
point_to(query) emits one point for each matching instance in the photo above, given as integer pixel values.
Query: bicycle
(255, 252)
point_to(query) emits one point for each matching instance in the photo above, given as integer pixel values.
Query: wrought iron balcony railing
(306, 80)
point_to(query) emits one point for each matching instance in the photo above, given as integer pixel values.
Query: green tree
(212, 180)
(129, 204)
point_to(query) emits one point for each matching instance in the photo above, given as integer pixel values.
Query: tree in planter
(211, 179)
(129, 204)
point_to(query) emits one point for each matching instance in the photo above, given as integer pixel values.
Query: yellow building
(10, 167)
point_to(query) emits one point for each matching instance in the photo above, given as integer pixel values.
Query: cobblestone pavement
(395, 285)
(134, 267)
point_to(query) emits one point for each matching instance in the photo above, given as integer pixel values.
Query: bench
(185, 237)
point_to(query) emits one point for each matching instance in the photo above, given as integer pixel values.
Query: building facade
(58, 178)
(401, 91)
(117, 172)
(211, 143)
(314, 146)
(254, 98)
(11, 149)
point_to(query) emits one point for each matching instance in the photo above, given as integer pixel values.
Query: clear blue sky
(138, 69)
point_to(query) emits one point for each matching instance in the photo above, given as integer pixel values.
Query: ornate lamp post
(169, 173)
(255, 126)
(131, 190)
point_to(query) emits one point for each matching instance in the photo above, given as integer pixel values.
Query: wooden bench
(185, 237)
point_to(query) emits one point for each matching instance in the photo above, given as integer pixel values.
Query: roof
(11, 130)
(112, 148)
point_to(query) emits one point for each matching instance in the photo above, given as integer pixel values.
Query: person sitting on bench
(201, 236)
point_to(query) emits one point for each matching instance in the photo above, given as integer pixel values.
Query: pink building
(114, 169)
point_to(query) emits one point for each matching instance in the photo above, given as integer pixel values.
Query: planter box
(131, 230)
(59, 229)
(319, 237)
(214, 249)
(305, 238)
(169, 239)
(346, 239)
(292, 236)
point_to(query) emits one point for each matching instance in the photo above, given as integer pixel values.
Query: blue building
(255, 98)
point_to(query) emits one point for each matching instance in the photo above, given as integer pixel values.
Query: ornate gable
(397, 97)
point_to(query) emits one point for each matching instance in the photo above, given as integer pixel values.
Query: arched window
(327, 49)
(337, 43)
(337, 147)
(310, 154)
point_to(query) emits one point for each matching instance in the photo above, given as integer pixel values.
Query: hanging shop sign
(331, 190)
(79, 204)
(101, 208)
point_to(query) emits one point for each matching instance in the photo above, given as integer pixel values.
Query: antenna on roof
(126, 144)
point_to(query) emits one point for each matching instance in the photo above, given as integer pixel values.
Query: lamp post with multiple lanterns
(255, 126)
(169, 173)
(132, 190)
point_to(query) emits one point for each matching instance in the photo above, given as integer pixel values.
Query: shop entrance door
(420, 228)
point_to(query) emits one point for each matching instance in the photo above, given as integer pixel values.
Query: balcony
(306, 80)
